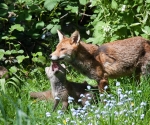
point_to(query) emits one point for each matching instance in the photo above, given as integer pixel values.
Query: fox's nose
(50, 56)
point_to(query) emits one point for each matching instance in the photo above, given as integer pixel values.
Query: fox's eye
(62, 49)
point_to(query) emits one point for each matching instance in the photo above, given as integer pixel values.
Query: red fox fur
(110, 60)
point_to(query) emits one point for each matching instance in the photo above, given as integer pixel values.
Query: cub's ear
(60, 35)
(75, 37)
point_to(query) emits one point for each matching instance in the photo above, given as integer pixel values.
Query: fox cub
(62, 88)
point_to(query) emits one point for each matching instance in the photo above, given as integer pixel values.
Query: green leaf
(42, 59)
(3, 6)
(3, 19)
(5, 37)
(1, 53)
(39, 53)
(135, 24)
(2, 84)
(35, 35)
(50, 4)
(28, 17)
(82, 2)
(49, 26)
(146, 30)
(14, 51)
(21, 58)
(20, 51)
(13, 69)
(16, 27)
(114, 4)
(39, 25)
(147, 1)
(12, 37)
(73, 9)
(8, 52)
(3, 12)
(55, 28)
(35, 59)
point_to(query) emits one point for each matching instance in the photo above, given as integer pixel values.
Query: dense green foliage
(28, 35)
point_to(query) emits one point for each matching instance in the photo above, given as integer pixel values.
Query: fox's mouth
(55, 65)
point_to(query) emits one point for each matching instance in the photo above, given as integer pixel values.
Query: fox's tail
(45, 95)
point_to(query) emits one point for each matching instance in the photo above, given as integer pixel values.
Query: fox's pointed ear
(60, 35)
(75, 37)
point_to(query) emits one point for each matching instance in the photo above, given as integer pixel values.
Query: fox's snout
(50, 56)
(53, 57)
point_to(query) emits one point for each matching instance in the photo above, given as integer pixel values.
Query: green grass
(128, 104)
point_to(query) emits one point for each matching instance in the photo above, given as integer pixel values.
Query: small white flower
(79, 100)
(87, 103)
(93, 106)
(120, 103)
(130, 99)
(70, 98)
(57, 98)
(43, 36)
(88, 87)
(98, 116)
(67, 119)
(142, 116)
(69, 101)
(89, 98)
(136, 108)
(121, 96)
(82, 95)
(139, 91)
(72, 110)
(58, 117)
(101, 95)
(48, 114)
(106, 28)
(143, 104)
(116, 113)
(82, 111)
(105, 100)
(60, 112)
(84, 108)
(87, 95)
(130, 92)
(106, 87)
(123, 8)
(119, 91)
(96, 111)
(73, 122)
(117, 83)
(74, 113)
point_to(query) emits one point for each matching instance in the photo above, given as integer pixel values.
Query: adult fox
(110, 60)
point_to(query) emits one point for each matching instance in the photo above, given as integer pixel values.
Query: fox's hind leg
(56, 102)
(65, 105)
